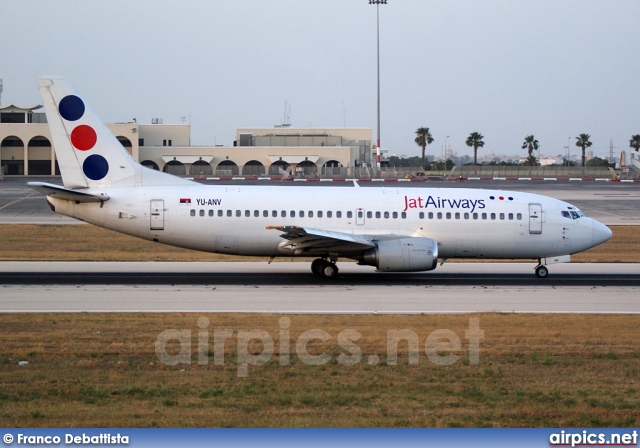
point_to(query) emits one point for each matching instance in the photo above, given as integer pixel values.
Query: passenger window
(310, 214)
(404, 215)
(493, 216)
(256, 213)
(350, 214)
(448, 215)
(229, 213)
(220, 213)
(386, 215)
(338, 214)
(283, 214)
(193, 213)
(378, 215)
(421, 215)
(274, 213)
(201, 212)
(395, 215)
(329, 214)
(519, 216)
(430, 215)
(466, 216)
(247, 213)
(439, 215)
(238, 213)
(484, 216)
(475, 216)
(457, 215)
(502, 216)
(369, 215)
(265, 213)
(210, 212)
(319, 213)
(292, 214)
(301, 214)
(510, 216)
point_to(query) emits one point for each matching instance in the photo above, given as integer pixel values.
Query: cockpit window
(573, 214)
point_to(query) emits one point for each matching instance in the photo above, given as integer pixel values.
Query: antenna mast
(0, 90)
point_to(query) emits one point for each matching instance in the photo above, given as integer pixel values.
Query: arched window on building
(150, 164)
(306, 168)
(39, 156)
(332, 168)
(227, 168)
(175, 167)
(12, 155)
(200, 168)
(124, 141)
(253, 168)
(278, 168)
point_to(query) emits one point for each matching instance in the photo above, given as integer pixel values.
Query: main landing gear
(541, 271)
(324, 268)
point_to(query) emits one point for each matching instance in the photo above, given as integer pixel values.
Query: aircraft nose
(601, 233)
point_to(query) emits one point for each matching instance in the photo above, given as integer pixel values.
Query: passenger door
(535, 218)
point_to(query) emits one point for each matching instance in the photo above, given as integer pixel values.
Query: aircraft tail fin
(88, 153)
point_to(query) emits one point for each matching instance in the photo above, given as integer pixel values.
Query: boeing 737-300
(393, 229)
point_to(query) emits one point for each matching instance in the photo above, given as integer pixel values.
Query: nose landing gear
(541, 271)
(324, 268)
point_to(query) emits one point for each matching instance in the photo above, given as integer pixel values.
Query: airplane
(392, 229)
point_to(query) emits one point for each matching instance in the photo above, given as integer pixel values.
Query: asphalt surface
(291, 288)
(611, 203)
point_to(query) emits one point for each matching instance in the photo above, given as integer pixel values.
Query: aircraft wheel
(317, 266)
(330, 270)
(542, 271)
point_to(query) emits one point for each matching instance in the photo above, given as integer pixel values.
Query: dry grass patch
(91, 243)
(88, 370)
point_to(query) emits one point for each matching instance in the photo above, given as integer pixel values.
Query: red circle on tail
(83, 137)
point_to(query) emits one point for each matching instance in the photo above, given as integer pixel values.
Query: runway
(611, 203)
(290, 288)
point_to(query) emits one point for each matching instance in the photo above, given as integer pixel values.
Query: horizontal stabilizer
(56, 191)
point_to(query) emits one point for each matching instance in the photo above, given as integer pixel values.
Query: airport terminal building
(26, 149)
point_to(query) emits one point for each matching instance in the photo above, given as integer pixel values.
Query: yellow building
(25, 148)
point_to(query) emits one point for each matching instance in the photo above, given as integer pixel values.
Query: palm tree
(583, 142)
(635, 142)
(531, 144)
(475, 140)
(423, 138)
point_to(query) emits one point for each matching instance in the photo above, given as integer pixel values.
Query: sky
(504, 68)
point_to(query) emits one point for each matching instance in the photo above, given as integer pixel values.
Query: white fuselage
(232, 219)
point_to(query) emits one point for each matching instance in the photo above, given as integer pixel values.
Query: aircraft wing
(302, 240)
(56, 191)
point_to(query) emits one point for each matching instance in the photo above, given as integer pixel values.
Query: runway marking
(17, 200)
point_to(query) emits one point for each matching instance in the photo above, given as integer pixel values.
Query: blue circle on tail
(95, 167)
(71, 108)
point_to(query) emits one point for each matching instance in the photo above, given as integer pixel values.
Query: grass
(91, 243)
(101, 370)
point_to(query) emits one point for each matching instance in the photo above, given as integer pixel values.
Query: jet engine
(403, 254)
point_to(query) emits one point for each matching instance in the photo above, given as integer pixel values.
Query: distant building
(26, 149)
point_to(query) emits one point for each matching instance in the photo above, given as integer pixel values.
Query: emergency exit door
(157, 214)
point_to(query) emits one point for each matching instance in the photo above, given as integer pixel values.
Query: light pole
(378, 3)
